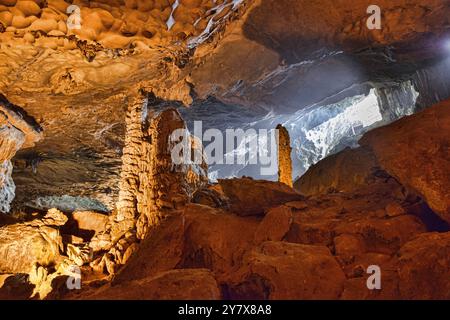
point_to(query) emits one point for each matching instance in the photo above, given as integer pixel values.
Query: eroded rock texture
(17, 130)
(150, 181)
(416, 150)
(107, 96)
(284, 156)
(345, 171)
(316, 247)
(23, 245)
(151, 185)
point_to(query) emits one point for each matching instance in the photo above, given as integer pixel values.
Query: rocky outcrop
(252, 197)
(274, 272)
(23, 245)
(85, 225)
(17, 131)
(424, 267)
(216, 239)
(345, 171)
(284, 156)
(416, 151)
(182, 284)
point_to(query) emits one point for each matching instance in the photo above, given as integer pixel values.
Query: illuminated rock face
(37, 242)
(151, 184)
(16, 131)
(112, 24)
(284, 156)
(314, 62)
(345, 171)
(416, 151)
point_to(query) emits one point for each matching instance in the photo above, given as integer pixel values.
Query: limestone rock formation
(423, 267)
(17, 130)
(284, 156)
(274, 272)
(252, 197)
(416, 151)
(23, 245)
(343, 172)
(109, 82)
(182, 284)
(150, 182)
(151, 185)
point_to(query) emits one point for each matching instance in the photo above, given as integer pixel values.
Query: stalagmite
(151, 184)
(284, 156)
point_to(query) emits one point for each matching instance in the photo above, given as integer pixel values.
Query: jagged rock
(345, 171)
(250, 197)
(423, 267)
(183, 284)
(416, 151)
(281, 270)
(24, 244)
(80, 254)
(284, 156)
(17, 130)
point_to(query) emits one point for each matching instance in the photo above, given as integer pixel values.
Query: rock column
(151, 184)
(284, 156)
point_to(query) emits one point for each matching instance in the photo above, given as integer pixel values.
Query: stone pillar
(151, 184)
(284, 156)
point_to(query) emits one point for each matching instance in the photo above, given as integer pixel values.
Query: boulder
(345, 171)
(384, 235)
(423, 267)
(36, 242)
(216, 239)
(182, 284)
(250, 197)
(275, 224)
(416, 150)
(86, 224)
(281, 270)
(161, 251)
